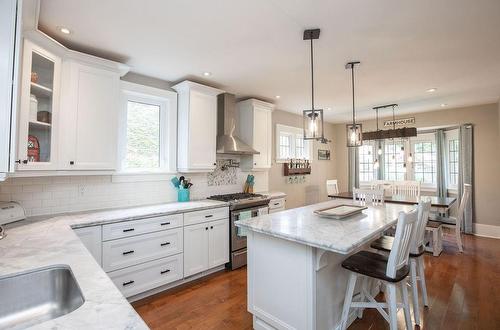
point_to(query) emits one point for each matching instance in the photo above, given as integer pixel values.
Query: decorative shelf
(40, 90)
(287, 171)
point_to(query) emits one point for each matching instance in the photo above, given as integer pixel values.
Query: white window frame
(387, 160)
(167, 101)
(410, 173)
(373, 154)
(294, 132)
(449, 136)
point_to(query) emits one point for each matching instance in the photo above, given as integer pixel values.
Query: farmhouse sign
(399, 122)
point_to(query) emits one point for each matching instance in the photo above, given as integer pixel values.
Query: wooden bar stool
(417, 271)
(392, 270)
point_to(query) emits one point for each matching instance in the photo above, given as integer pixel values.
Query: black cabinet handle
(206, 228)
(127, 230)
(164, 223)
(276, 203)
(72, 162)
(165, 271)
(128, 283)
(128, 252)
(164, 244)
(18, 161)
(25, 161)
(209, 216)
(211, 227)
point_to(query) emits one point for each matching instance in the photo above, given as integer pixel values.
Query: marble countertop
(273, 194)
(302, 225)
(36, 243)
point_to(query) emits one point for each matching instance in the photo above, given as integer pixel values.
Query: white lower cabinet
(218, 240)
(206, 245)
(125, 252)
(277, 205)
(140, 278)
(91, 237)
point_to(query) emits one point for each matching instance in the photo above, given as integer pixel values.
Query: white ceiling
(255, 48)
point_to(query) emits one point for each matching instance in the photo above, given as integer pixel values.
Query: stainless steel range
(241, 206)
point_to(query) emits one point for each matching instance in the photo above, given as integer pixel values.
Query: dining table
(440, 204)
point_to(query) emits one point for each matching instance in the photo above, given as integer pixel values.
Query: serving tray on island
(340, 211)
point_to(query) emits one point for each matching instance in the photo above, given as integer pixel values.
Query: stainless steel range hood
(227, 141)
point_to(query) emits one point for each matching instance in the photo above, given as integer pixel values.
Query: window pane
(394, 160)
(425, 162)
(453, 162)
(143, 135)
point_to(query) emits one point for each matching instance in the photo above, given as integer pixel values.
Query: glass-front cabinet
(39, 109)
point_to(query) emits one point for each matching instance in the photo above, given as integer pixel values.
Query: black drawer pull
(276, 203)
(164, 223)
(127, 230)
(206, 228)
(128, 283)
(165, 271)
(128, 252)
(166, 243)
(209, 216)
(211, 227)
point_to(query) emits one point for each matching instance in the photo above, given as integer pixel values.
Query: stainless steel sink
(37, 295)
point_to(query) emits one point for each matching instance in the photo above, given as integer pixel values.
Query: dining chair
(332, 187)
(406, 188)
(368, 196)
(417, 269)
(391, 270)
(460, 215)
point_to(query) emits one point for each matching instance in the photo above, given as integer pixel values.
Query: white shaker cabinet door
(218, 243)
(91, 238)
(89, 121)
(195, 249)
(262, 139)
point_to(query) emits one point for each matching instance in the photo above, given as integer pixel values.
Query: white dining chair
(391, 270)
(332, 187)
(460, 215)
(406, 188)
(368, 196)
(417, 249)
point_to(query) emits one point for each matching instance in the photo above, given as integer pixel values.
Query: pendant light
(379, 149)
(313, 119)
(354, 131)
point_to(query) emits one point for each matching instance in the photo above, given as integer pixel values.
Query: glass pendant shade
(376, 164)
(354, 135)
(379, 151)
(410, 158)
(313, 125)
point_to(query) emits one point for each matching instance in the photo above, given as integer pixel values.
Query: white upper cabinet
(255, 128)
(39, 109)
(197, 127)
(89, 117)
(9, 46)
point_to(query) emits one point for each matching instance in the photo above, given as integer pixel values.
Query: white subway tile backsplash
(53, 195)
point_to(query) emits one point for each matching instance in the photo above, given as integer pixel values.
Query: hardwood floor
(464, 293)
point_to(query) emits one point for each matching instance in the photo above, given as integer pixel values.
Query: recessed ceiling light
(64, 30)
(431, 90)
(207, 74)
(277, 96)
(443, 104)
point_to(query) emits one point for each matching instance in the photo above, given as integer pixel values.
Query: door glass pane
(40, 114)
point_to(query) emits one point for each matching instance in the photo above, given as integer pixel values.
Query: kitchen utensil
(175, 181)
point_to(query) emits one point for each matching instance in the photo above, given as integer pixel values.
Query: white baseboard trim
(489, 231)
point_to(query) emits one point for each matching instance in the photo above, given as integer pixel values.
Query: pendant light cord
(353, 108)
(376, 110)
(312, 78)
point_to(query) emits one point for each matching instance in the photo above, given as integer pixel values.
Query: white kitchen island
(295, 278)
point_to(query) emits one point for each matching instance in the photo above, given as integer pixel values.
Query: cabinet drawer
(134, 280)
(131, 251)
(142, 226)
(278, 203)
(192, 218)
